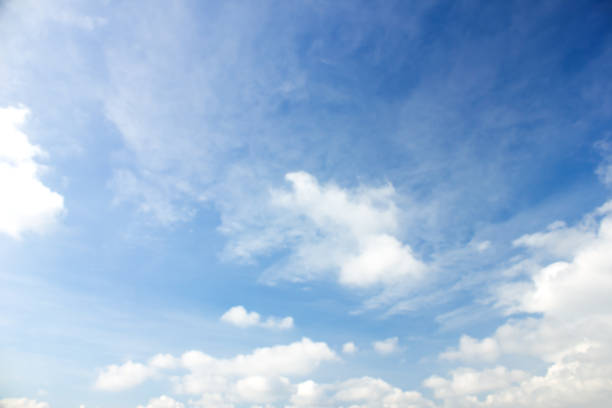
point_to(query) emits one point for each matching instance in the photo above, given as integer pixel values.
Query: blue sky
(305, 204)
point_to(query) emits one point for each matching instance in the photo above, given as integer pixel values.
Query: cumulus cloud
(22, 403)
(364, 392)
(239, 316)
(27, 204)
(467, 381)
(470, 349)
(349, 348)
(350, 234)
(387, 346)
(163, 402)
(121, 377)
(560, 314)
(262, 376)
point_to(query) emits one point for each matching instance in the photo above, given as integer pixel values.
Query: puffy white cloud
(260, 389)
(349, 348)
(121, 377)
(467, 381)
(22, 403)
(258, 377)
(568, 325)
(365, 392)
(163, 402)
(27, 204)
(470, 349)
(387, 346)
(350, 234)
(239, 316)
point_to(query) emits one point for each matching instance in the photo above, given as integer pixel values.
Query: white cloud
(349, 348)
(387, 346)
(470, 349)
(262, 376)
(365, 392)
(568, 326)
(121, 377)
(467, 381)
(350, 234)
(27, 204)
(163, 402)
(21, 403)
(239, 316)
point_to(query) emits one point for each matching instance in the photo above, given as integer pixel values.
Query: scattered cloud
(121, 377)
(467, 381)
(163, 402)
(22, 403)
(261, 376)
(471, 349)
(387, 346)
(364, 392)
(349, 348)
(350, 234)
(239, 316)
(27, 204)
(560, 314)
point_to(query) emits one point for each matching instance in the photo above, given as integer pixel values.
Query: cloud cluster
(259, 377)
(26, 204)
(349, 234)
(22, 403)
(239, 316)
(163, 402)
(560, 314)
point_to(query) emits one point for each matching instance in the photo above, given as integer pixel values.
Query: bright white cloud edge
(26, 204)
(240, 317)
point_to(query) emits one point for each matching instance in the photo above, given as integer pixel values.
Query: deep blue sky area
(305, 204)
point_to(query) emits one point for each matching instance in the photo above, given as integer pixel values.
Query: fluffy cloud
(349, 348)
(467, 381)
(239, 316)
(350, 234)
(387, 346)
(22, 403)
(27, 204)
(470, 349)
(365, 392)
(121, 377)
(163, 402)
(560, 314)
(258, 377)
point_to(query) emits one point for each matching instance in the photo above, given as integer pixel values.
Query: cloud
(121, 377)
(470, 349)
(163, 402)
(349, 234)
(27, 204)
(349, 348)
(467, 381)
(239, 316)
(560, 315)
(364, 392)
(387, 346)
(261, 376)
(21, 403)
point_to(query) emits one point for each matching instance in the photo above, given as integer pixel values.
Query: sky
(305, 204)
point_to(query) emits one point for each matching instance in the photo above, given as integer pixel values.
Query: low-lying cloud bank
(559, 314)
